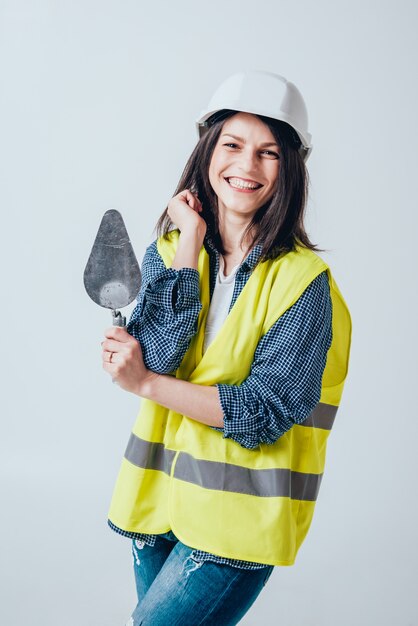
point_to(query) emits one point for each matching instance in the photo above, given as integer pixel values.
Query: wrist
(188, 249)
(194, 234)
(147, 383)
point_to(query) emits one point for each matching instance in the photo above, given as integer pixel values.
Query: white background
(98, 102)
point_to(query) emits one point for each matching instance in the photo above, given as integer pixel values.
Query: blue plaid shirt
(284, 384)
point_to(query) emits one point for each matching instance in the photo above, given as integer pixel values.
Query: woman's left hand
(122, 359)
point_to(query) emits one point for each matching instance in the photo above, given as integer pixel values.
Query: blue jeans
(176, 589)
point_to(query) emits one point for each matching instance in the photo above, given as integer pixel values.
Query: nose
(248, 162)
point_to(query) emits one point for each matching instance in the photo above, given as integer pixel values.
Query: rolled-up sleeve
(284, 384)
(165, 317)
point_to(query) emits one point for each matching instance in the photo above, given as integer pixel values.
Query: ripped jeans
(175, 589)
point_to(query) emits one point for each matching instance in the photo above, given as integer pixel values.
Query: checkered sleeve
(165, 317)
(284, 384)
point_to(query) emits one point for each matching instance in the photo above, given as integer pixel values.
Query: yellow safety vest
(215, 495)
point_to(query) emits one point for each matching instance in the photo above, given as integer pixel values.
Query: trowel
(112, 277)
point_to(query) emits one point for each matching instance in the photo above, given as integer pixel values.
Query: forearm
(188, 249)
(165, 317)
(285, 380)
(199, 402)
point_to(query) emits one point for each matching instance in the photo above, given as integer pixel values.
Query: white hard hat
(261, 93)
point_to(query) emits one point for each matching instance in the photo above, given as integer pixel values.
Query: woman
(239, 349)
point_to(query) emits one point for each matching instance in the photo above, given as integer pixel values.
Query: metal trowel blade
(112, 277)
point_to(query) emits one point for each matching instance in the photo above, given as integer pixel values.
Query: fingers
(111, 369)
(191, 199)
(113, 363)
(119, 352)
(109, 357)
(111, 345)
(118, 334)
(187, 195)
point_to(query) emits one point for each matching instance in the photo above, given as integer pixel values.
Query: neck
(231, 230)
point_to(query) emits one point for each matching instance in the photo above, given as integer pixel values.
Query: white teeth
(237, 182)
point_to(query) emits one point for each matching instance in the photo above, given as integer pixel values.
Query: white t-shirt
(219, 305)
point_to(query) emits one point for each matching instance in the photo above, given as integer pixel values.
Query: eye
(274, 154)
(270, 153)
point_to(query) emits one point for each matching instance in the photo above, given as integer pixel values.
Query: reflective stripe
(322, 416)
(149, 455)
(268, 483)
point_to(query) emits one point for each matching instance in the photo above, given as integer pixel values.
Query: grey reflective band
(265, 483)
(322, 416)
(149, 455)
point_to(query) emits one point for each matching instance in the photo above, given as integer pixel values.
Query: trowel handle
(118, 319)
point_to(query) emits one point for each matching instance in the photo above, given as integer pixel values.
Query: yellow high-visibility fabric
(217, 496)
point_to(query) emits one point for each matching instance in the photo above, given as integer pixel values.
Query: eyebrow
(265, 144)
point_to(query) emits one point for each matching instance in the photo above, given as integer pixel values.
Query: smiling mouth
(243, 185)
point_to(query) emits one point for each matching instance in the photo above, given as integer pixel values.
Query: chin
(239, 207)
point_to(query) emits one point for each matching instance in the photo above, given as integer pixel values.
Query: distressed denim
(175, 588)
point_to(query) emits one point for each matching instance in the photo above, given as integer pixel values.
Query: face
(245, 164)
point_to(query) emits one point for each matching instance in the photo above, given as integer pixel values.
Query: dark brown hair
(278, 224)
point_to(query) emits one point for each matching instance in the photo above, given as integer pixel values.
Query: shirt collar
(249, 262)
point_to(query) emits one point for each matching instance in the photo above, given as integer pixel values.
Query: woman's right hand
(183, 210)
